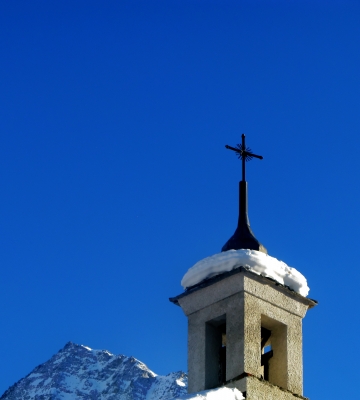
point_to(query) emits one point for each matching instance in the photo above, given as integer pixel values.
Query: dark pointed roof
(243, 238)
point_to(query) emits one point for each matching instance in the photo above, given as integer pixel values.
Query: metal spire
(243, 238)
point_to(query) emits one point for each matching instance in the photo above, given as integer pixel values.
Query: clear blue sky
(115, 179)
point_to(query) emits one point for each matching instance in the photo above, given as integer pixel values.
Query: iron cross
(244, 153)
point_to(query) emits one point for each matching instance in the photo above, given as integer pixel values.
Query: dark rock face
(77, 372)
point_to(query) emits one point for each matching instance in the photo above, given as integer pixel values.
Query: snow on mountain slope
(78, 372)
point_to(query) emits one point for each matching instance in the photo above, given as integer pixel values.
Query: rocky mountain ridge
(78, 372)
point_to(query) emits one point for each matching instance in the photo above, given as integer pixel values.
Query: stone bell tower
(244, 329)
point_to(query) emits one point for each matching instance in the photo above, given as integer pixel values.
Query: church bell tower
(244, 328)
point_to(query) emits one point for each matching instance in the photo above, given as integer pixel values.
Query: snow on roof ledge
(222, 393)
(258, 262)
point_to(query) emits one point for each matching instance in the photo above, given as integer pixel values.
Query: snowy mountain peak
(79, 372)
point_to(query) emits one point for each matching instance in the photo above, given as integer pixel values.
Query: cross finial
(243, 238)
(244, 153)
